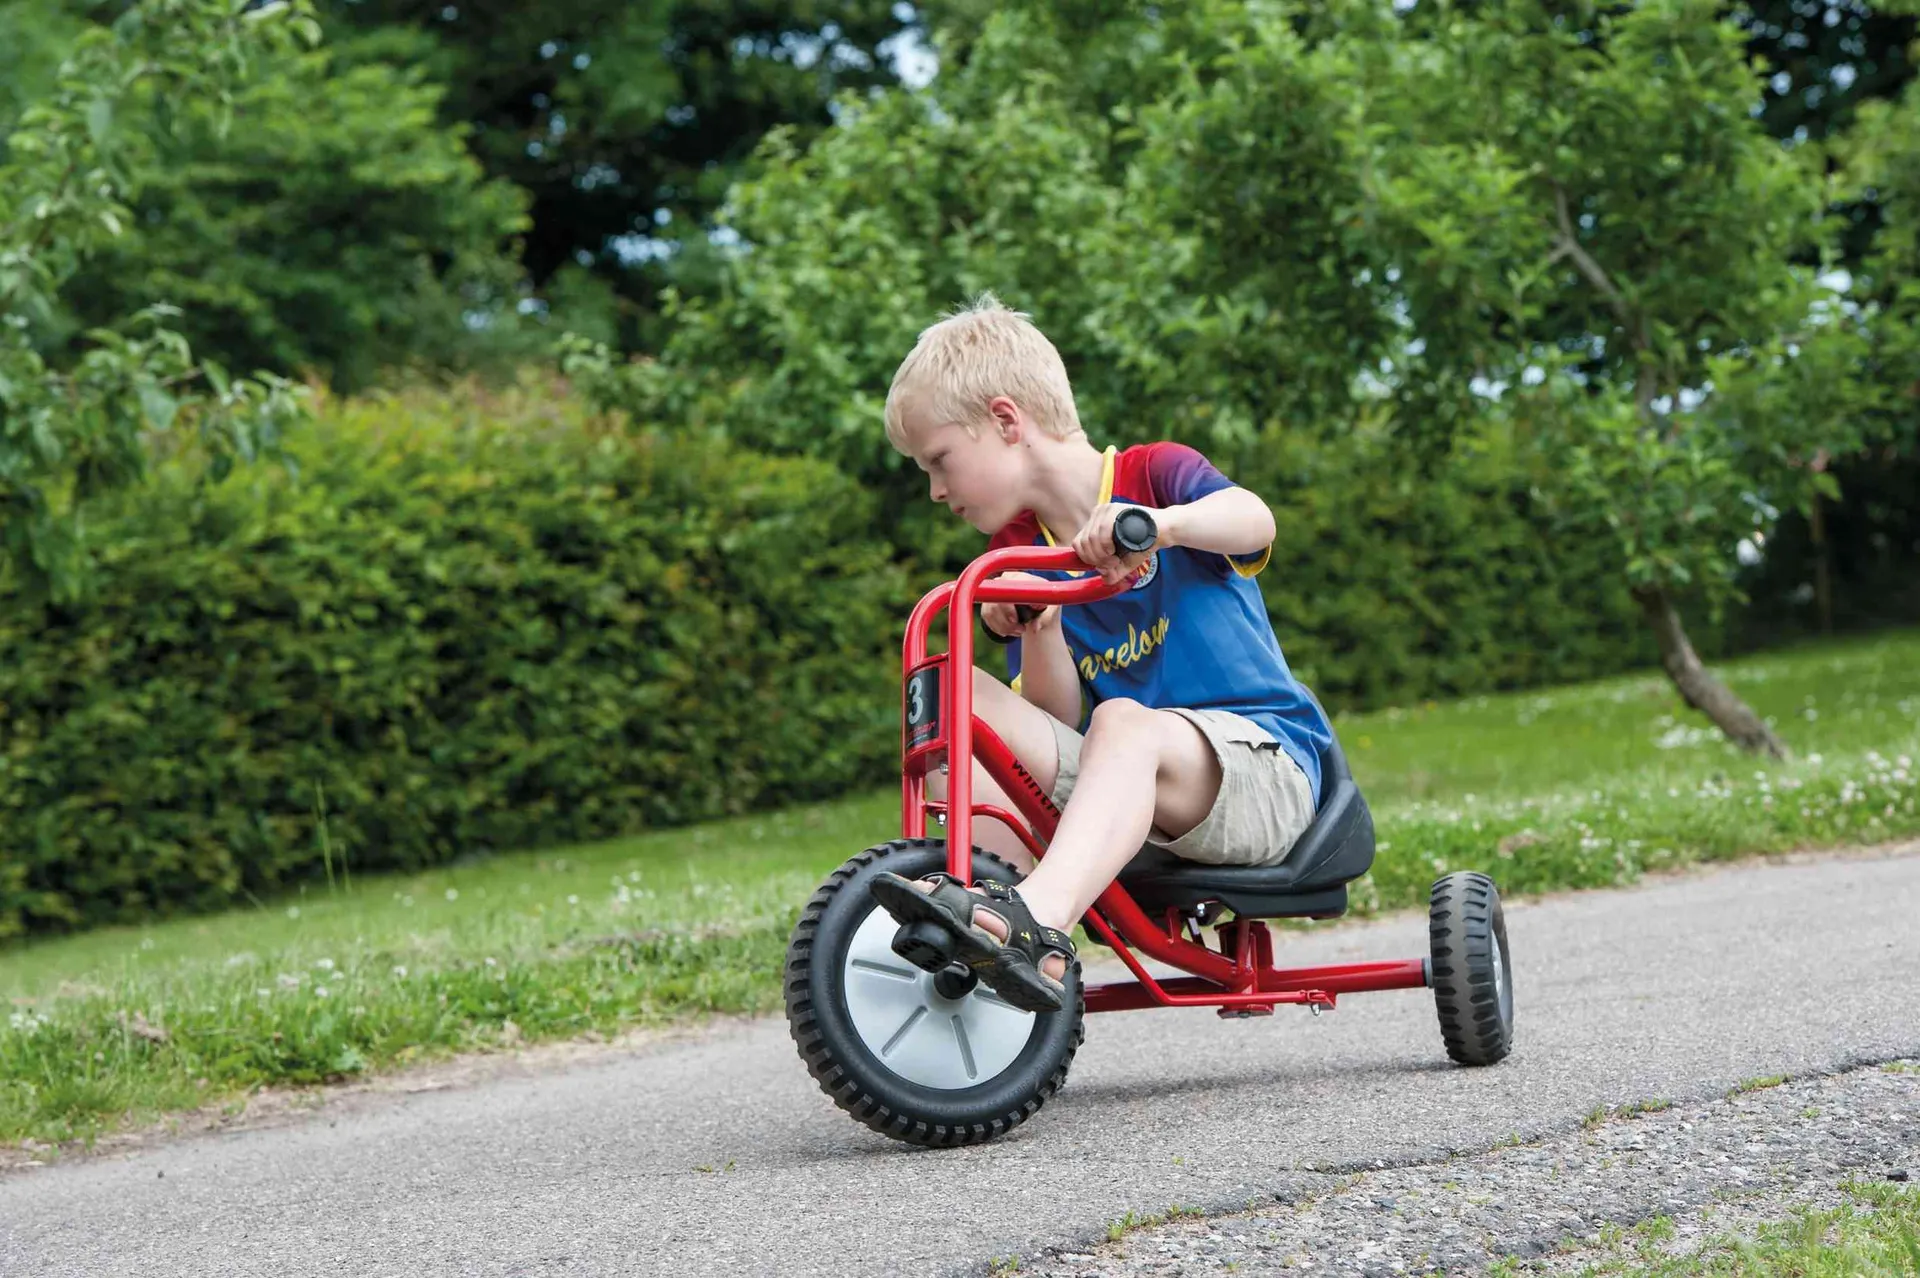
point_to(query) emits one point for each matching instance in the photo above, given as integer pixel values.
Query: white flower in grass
(400, 970)
(573, 900)
(453, 894)
(289, 980)
(325, 964)
(293, 911)
(321, 991)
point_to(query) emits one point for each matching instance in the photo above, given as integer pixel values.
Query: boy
(1200, 739)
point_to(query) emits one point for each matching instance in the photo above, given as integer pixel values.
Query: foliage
(1881, 156)
(1012, 173)
(625, 123)
(71, 432)
(468, 624)
(336, 227)
(1388, 586)
(1830, 57)
(33, 39)
(856, 242)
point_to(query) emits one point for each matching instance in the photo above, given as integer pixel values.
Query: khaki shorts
(1265, 802)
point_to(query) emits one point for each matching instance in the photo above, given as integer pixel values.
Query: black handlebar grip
(1134, 531)
(1022, 612)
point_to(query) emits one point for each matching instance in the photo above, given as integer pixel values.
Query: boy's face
(977, 476)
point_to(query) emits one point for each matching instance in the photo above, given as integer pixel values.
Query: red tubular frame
(1239, 978)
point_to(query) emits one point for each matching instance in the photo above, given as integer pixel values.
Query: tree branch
(1595, 273)
(1634, 325)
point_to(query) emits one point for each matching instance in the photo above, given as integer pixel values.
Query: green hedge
(466, 625)
(1391, 582)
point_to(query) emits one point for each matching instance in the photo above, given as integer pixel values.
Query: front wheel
(1472, 977)
(926, 1059)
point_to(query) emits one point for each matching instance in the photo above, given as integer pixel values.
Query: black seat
(1336, 849)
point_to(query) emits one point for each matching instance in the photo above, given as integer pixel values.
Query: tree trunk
(1822, 565)
(1697, 685)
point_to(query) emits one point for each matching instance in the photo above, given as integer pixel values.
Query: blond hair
(974, 354)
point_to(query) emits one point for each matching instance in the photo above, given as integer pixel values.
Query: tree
(625, 123)
(337, 226)
(851, 245)
(72, 430)
(1880, 159)
(1561, 220)
(1827, 58)
(1687, 370)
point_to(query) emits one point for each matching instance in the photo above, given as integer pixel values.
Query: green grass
(1567, 788)
(1876, 1232)
(1827, 699)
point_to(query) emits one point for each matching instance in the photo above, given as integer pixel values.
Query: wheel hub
(941, 1031)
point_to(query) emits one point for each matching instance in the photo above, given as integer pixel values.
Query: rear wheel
(931, 1059)
(1472, 977)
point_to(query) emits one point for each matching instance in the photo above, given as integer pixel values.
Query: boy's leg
(1029, 733)
(1141, 770)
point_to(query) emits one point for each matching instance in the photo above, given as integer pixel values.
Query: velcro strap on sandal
(1057, 941)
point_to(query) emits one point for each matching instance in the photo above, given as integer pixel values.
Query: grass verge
(1569, 788)
(1876, 1231)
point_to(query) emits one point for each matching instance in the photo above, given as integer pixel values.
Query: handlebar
(1134, 531)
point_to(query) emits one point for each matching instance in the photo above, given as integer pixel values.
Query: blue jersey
(1192, 631)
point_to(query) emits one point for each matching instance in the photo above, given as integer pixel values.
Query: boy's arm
(1228, 521)
(1047, 677)
(1232, 521)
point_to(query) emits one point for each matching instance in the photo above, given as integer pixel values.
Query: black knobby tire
(1472, 973)
(848, 1069)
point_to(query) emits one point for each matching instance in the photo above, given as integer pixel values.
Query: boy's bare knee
(1120, 716)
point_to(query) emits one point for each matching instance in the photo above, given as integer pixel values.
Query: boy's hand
(1000, 618)
(1094, 544)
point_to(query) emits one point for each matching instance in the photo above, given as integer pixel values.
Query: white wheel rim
(912, 1029)
(1499, 974)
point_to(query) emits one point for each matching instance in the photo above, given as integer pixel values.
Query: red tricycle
(934, 1058)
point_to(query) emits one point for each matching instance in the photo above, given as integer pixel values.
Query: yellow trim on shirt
(1253, 570)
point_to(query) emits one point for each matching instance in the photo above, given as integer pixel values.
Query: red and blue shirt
(1192, 631)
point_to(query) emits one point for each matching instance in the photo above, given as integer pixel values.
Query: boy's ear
(1007, 418)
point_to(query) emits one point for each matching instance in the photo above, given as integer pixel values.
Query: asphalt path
(719, 1155)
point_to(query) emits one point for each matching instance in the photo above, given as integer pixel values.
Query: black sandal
(937, 927)
(1016, 975)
